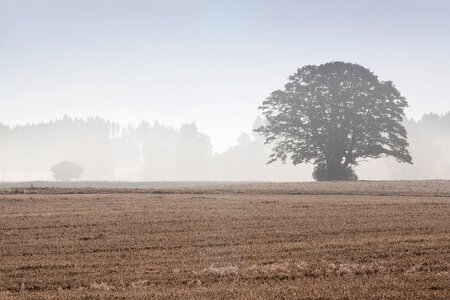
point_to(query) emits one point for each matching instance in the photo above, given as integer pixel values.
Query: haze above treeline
(212, 62)
(156, 152)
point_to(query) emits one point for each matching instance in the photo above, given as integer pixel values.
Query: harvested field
(363, 240)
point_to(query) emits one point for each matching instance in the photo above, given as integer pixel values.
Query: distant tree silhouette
(66, 171)
(333, 114)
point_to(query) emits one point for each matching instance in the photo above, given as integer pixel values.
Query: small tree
(333, 114)
(66, 171)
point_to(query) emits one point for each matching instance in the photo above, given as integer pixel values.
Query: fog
(169, 90)
(156, 152)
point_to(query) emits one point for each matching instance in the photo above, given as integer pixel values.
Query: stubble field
(363, 240)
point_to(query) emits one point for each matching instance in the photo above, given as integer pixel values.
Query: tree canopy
(333, 114)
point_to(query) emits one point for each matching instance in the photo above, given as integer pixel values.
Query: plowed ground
(227, 243)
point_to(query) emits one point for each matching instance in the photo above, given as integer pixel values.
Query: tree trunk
(340, 172)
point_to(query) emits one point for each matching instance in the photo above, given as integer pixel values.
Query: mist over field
(157, 152)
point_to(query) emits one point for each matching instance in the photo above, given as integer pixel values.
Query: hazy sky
(209, 61)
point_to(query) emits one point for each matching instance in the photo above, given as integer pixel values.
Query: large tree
(332, 115)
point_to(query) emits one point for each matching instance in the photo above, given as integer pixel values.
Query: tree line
(156, 152)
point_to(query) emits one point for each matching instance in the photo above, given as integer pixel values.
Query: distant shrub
(66, 171)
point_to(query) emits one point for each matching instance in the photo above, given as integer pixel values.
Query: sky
(212, 62)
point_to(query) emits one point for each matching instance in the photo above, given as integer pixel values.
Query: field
(362, 240)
